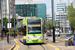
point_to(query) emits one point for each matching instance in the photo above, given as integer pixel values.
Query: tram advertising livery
(31, 29)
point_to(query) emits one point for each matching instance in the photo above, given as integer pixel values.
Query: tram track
(42, 47)
(28, 47)
(39, 45)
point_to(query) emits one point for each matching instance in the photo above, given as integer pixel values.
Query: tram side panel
(22, 30)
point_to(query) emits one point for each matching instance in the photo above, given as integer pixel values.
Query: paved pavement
(60, 43)
(6, 46)
(47, 45)
(5, 42)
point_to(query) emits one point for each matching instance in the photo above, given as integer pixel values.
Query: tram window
(34, 26)
(33, 30)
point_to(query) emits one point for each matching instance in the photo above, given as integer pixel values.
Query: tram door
(24, 31)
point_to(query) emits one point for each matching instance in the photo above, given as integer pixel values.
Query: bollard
(66, 42)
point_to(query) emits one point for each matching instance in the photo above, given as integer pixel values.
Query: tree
(49, 24)
(5, 20)
(57, 23)
(71, 15)
(0, 20)
(12, 21)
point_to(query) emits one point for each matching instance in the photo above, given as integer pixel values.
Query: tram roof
(18, 18)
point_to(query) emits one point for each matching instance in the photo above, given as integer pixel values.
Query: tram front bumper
(35, 41)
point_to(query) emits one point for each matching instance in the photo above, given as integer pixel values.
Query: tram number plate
(34, 36)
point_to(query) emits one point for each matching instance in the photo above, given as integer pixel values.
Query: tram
(32, 30)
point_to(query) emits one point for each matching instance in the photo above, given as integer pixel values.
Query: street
(46, 45)
(37, 25)
(40, 46)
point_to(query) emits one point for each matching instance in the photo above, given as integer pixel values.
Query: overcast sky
(47, 2)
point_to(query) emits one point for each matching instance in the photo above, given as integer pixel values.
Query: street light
(63, 20)
(53, 21)
(1, 21)
(14, 18)
(2, 25)
(74, 3)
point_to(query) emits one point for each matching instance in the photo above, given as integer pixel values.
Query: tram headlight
(40, 37)
(28, 38)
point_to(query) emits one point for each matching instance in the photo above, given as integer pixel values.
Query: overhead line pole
(1, 21)
(14, 18)
(53, 20)
(2, 24)
(9, 20)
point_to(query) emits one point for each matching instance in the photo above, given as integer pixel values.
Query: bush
(15, 33)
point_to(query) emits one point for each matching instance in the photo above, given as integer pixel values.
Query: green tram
(32, 30)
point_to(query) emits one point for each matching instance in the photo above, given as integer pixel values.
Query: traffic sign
(9, 26)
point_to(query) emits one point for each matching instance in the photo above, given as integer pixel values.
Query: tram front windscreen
(34, 26)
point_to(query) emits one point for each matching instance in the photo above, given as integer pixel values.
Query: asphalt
(47, 44)
(5, 42)
(43, 46)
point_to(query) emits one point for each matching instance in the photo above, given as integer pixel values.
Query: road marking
(15, 41)
(53, 46)
(17, 46)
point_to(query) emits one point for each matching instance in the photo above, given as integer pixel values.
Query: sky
(48, 4)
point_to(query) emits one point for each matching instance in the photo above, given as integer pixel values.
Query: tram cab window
(34, 26)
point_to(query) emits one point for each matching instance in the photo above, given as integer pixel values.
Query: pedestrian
(73, 39)
(69, 31)
(60, 31)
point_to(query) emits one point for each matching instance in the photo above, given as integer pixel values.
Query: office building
(48, 17)
(5, 8)
(0, 9)
(61, 7)
(61, 15)
(28, 10)
(61, 12)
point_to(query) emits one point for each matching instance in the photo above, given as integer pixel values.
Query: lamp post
(9, 19)
(1, 21)
(2, 25)
(53, 21)
(63, 20)
(14, 18)
(74, 3)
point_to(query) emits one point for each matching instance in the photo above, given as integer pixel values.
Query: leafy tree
(5, 20)
(0, 20)
(12, 21)
(71, 15)
(49, 24)
(57, 22)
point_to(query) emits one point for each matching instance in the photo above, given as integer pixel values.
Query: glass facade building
(0, 9)
(25, 10)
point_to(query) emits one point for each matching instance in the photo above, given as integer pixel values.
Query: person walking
(73, 38)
